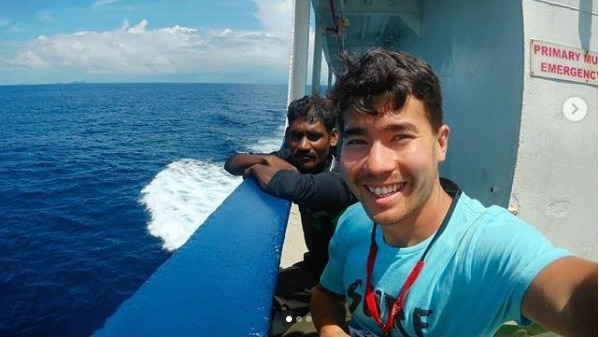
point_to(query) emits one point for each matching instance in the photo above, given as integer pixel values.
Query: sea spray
(182, 196)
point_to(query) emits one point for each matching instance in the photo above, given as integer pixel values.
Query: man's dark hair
(389, 74)
(315, 109)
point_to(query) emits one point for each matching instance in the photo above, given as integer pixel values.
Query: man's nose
(304, 143)
(380, 159)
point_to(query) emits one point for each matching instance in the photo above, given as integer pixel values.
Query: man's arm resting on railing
(238, 163)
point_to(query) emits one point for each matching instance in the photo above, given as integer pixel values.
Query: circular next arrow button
(574, 109)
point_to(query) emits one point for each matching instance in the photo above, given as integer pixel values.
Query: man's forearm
(328, 312)
(236, 164)
(325, 190)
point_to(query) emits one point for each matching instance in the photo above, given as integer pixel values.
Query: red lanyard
(399, 301)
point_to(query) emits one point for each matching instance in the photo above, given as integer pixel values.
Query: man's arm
(328, 312)
(238, 163)
(325, 190)
(563, 297)
(264, 173)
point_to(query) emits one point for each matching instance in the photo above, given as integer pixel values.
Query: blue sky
(232, 41)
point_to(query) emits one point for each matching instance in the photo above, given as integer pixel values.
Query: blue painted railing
(221, 282)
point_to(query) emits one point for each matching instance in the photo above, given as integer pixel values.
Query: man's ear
(442, 142)
(334, 135)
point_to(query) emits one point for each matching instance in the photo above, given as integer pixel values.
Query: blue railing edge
(221, 282)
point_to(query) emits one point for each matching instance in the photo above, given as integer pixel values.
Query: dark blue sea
(100, 183)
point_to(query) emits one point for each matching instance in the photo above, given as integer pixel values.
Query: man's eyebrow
(353, 131)
(402, 127)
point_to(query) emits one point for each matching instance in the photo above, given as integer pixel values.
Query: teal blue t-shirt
(474, 278)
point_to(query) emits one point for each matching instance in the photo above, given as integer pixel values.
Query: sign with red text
(552, 60)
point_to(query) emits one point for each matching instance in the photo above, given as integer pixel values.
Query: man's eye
(354, 142)
(313, 137)
(402, 138)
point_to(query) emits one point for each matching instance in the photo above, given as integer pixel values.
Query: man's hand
(332, 331)
(264, 167)
(277, 163)
(238, 164)
(262, 173)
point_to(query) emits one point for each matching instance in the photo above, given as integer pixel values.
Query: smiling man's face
(390, 161)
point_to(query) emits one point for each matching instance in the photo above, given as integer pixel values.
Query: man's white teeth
(386, 190)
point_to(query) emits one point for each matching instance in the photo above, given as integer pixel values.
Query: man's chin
(305, 164)
(307, 168)
(381, 216)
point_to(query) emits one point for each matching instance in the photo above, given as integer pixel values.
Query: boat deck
(294, 245)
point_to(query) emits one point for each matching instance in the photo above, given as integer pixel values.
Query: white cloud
(275, 15)
(30, 59)
(100, 3)
(141, 51)
(140, 28)
(137, 49)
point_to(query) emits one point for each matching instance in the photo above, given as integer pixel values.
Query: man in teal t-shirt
(417, 256)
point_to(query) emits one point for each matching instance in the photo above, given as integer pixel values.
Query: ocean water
(100, 183)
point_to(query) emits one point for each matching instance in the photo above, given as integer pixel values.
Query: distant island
(71, 82)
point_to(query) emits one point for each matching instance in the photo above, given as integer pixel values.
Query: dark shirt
(321, 198)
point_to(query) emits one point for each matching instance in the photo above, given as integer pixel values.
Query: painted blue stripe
(221, 282)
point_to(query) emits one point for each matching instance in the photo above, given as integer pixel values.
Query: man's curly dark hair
(386, 73)
(315, 109)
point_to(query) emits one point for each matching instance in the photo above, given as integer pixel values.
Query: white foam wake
(182, 196)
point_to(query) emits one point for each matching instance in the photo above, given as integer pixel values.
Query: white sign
(561, 62)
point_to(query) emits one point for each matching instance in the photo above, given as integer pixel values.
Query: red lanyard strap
(399, 300)
(369, 295)
(398, 304)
